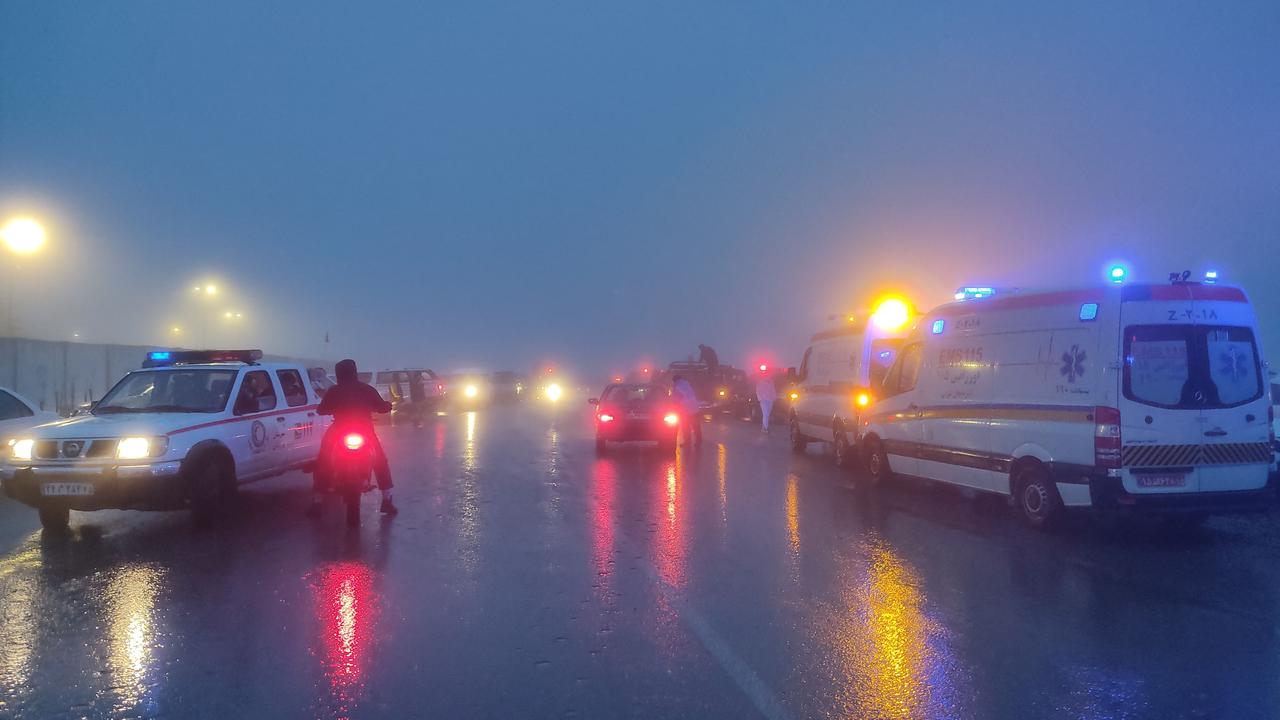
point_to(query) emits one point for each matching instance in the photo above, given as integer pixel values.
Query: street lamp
(23, 236)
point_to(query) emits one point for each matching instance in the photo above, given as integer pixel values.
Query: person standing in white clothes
(766, 393)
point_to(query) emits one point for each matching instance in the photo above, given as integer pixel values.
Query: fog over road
(526, 577)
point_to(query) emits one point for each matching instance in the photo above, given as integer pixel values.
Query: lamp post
(21, 236)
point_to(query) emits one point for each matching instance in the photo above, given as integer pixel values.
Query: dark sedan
(634, 411)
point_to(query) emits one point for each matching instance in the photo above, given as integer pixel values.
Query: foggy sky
(601, 184)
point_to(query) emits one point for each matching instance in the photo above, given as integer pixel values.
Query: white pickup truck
(183, 432)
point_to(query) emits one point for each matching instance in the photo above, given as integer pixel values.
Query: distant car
(183, 432)
(18, 414)
(409, 390)
(635, 411)
(720, 389)
(470, 390)
(505, 386)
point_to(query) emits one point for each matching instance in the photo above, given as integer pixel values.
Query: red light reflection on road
(669, 553)
(347, 608)
(604, 477)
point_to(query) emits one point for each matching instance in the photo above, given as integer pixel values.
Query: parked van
(1147, 397)
(838, 374)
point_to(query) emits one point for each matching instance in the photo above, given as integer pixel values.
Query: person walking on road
(691, 424)
(766, 393)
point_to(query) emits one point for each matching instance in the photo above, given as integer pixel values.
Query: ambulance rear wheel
(55, 520)
(878, 470)
(1037, 497)
(842, 450)
(798, 441)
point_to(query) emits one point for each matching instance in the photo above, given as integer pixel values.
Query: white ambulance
(837, 375)
(1143, 396)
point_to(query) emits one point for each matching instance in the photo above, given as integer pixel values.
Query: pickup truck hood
(119, 425)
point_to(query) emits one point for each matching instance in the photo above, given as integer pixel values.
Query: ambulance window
(1233, 364)
(1157, 363)
(804, 364)
(883, 353)
(911, 356)
(11, 407)
(295, 392)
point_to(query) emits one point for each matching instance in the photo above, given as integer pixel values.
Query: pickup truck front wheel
(55, 519)
(210, 494)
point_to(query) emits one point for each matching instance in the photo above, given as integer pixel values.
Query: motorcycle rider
(352, 404)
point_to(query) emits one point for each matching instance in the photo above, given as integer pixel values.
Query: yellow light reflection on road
(722, 465)
(131, 596)
(468, 511)
(895, 656)
(793, 514)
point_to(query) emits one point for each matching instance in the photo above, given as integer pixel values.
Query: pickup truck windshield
(1191, 366)
(155, 391)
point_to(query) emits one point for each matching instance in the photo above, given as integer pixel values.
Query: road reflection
(604, 479)
(468, 502)
(670, 535)
(896, 659)
(722, 466)
(346, 610)
(131, 638)
(18, 621)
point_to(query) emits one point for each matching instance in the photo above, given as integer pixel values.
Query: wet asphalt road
(527, 578)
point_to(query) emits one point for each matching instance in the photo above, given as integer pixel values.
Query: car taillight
(1106, 437)
(671, 419)
(353, 441)
(605, 417)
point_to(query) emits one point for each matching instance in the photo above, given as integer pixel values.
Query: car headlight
(22, 448)
(554, 392)
(136, 448)
(471, 391)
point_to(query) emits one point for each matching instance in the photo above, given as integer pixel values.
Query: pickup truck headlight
(136, 448)
(22, 448)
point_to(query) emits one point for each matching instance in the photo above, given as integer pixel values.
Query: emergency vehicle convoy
(183, 432)
(1129, 396)
(839, 374)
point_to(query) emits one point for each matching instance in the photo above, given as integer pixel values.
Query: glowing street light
(23, 236)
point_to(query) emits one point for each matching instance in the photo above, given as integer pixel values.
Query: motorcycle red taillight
(1106, 437)
(353, 441)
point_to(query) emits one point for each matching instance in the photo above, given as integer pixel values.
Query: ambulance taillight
(1106, 437)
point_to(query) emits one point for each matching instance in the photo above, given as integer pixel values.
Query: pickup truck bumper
(153, 486)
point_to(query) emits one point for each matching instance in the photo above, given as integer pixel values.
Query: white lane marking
(764, 700)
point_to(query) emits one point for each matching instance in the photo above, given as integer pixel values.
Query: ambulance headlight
(136, 448)
(22, 448)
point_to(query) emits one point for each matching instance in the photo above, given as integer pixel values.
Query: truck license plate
(66, 488)
(1159, 480)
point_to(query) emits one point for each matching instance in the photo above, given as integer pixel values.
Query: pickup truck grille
(74, 449)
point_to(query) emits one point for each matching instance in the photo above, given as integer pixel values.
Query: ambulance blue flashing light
(939, 326)
(1117, 274)
(158, 356)
(974, 293)
(1210, 277)
(1089, 311)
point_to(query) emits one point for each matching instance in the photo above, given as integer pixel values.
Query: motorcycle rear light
(1106, 437)
(671, 419)
(606, 417)
(353, 441)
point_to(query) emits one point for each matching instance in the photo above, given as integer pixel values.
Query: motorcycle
(346, 468)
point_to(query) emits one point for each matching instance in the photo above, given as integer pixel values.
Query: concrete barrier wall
(59, 376)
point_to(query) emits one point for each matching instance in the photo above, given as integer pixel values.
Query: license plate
(1162, 480)
(66, 488)
(638, 416)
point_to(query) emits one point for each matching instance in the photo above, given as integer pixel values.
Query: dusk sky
(597, 184)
